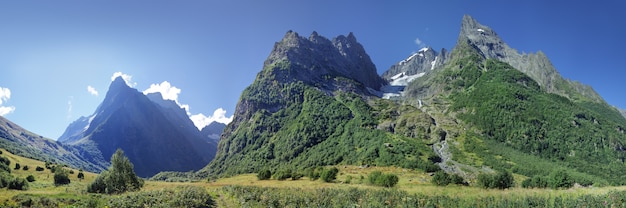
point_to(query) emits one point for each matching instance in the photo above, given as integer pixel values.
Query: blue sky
(51, 52)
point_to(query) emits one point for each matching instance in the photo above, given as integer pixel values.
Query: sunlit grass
(411, 181)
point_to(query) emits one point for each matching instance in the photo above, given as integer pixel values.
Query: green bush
(81, 175)
(60, 176)
(282, 175)
(441, 179)
(5, 179)
(119, 178)
(379, 179)
(500, 180)
(329, 175)
(535, 182)
(30, 178)
(264, 174)
(18, 184)
(39, 168)
(17, 166)
(312, 173)
(296, 176)
(560, 179)
(25, 167)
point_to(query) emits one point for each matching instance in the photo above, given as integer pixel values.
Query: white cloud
(5, 95)
(127, 78)
(219, 115)
(168, 91)
(92, 90)
(419, 42)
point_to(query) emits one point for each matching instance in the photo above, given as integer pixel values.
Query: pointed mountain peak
(118, 83)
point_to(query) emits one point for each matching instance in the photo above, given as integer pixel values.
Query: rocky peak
(535, 65)
(310, 59)
(416, 65)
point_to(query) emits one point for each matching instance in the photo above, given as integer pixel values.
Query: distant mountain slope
(22, 142)
(155, 134)
(213, 131)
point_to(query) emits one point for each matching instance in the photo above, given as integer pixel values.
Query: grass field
(411, 182)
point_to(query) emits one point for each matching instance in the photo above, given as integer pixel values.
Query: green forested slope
(510, 111)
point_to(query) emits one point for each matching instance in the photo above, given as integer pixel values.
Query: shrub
(329, 175)
(5, 179)
(281, 175)
(313, 173)
(500, 180)
(560, 179)
(296, 176)
(25, 167)
(60, 176)
(30, 178)
(39, 168)
(17, 166)
(18, 184)
(119, 178)
(440, 179)
(264, 174)
(71, 172)
(81, 175)
(535, 182)
(379, 179)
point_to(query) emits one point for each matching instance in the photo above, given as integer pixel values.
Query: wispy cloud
(127, 78)
(219, 115)
(69, 107)
(5, 95)
(419, 42)
(92, 90)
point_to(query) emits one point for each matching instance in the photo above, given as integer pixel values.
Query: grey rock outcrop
(310, 59)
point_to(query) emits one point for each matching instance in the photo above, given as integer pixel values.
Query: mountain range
(480, 107)
(483, 106)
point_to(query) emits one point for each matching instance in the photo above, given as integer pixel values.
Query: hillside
(27, 144)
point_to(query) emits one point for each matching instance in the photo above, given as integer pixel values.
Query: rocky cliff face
(535, 65)
(416, 65)
(155, 134)
(315, 58)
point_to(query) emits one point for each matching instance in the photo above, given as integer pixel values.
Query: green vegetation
(250, 196)
(60, 176)
(294, 126)
(329, 175)
(441, 178)
(119, 178)
(264, 174)
(500, 180)
(379, 179)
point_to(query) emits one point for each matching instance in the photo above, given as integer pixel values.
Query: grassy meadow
(413, 189)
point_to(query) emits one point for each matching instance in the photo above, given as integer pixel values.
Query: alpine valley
(479, 108)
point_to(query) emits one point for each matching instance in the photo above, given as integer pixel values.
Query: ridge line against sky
(56, 56)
